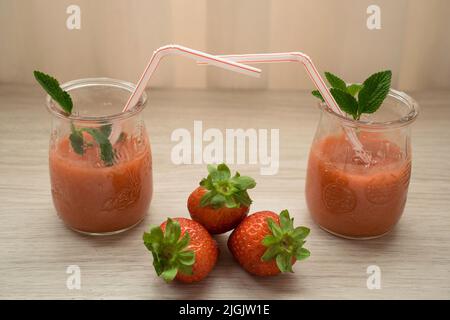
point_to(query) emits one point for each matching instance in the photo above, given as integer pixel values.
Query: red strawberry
(266, 244)
(181, 249)
(221, 201)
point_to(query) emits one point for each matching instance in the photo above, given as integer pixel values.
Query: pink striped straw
(175, 49)
(199, 56)
(314, 76)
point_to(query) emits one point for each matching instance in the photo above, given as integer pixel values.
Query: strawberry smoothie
(93, 198)
(351, 199)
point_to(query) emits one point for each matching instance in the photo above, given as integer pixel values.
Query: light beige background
(116, 40)
(118, 37)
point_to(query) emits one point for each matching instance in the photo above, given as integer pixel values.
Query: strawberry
(266, 244)
(221, 201)
(181, 249)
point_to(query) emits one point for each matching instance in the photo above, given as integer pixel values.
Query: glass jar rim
(92, 82)
(404, 120)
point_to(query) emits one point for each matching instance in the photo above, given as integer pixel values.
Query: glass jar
(358, 199)
(99, 159)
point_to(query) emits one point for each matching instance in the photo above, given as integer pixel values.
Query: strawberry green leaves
(371, 93)
(51, 86)
(225, 190)
(170, 250)
(285, 242)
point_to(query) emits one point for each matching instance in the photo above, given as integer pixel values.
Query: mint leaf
(51, 86)
(374, 91)
(335, 81)
(106, 129)
(371, 93)
(77, 140)
(106, 149)
(122, 137)
(346, 102)
(317, 94)
(353, 89)
(100, 136)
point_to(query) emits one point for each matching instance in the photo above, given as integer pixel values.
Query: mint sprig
(374, 91)
(224, 190)
(371, 93)
(353, 89)
(76, 140)
(52, 87)
(100, 136)
(335, 81)
(346, 101)
(106, 149)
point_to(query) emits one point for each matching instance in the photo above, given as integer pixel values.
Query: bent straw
(175, 49)
(199, 56)
(314, 76)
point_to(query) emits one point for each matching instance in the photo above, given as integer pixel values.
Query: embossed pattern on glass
(348, 197)
(89, 194)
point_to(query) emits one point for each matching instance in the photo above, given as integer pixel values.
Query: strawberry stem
(169, 250)
(285, 242)
(224, 190)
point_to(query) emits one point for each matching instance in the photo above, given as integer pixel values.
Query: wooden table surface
(36, 248)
